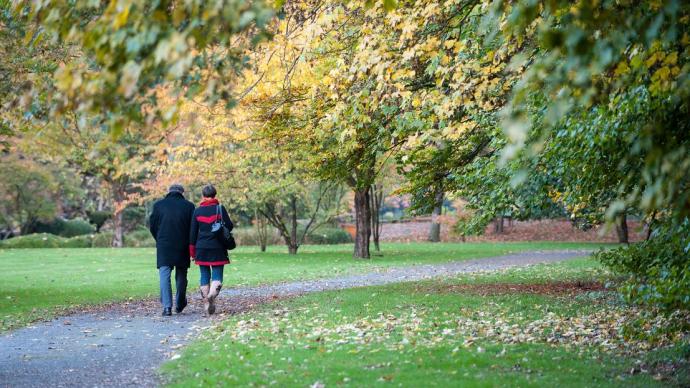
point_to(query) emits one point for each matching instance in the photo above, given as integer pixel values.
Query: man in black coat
(169, 224)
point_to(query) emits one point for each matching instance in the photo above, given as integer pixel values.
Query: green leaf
(390, 5)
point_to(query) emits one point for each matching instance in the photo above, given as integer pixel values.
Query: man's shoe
(167, 312)
(178, 309)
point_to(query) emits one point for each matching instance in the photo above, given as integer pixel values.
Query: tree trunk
(261, 229)
(362, 223)
(622, 229)
(376, 199)
(29, 226)
(292, 244)
(498, 225)
(650, 226)
(118, 232)
(118, 225)
(292, 247)
(435, 230)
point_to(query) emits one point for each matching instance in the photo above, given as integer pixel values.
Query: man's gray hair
(177, 188)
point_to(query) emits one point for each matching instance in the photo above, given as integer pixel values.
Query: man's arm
(193, 234)
(153, 222)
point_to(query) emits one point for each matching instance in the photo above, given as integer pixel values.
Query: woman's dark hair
(209, 191)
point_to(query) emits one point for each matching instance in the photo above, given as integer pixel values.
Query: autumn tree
(425, 63)
(388, 78)
(27, 64)
(296, 95)
(119, 163)
(137, 47)
(611, 77)
(347, 130)
(125, 55)
(27, 195)
(253, 172)
(282, 192)
(602, 63)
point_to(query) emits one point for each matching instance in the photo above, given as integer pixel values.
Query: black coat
(169, 225)
(204, 244)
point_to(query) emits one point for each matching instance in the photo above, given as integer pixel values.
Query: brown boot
(212, 294)
(204, 297)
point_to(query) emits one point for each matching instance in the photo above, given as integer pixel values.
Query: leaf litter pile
(555, 288)
(604, 329)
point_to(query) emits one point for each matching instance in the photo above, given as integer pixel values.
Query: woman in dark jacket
(206, 249)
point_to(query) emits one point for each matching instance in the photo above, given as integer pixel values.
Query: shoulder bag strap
(219, 212)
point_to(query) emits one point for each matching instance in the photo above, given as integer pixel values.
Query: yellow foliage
(622, 68)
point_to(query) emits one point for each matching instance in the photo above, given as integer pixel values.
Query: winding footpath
(125, 346)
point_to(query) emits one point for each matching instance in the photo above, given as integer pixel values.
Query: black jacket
(203, 244)
(169, 225)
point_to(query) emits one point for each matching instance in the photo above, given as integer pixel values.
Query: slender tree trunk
(650, 226)
(29, 226)
(622, 229)
(498, 225)
(118, 224)
(376, 199)
(435, 230)
(362, 223)
(118, 230)
(292, 244)
(261, 230)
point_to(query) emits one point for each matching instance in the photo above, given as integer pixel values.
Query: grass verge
(441, 333)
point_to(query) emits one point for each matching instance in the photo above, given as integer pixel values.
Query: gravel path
(118, 347)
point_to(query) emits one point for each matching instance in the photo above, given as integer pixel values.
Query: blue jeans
(210, 273)
(180, 286)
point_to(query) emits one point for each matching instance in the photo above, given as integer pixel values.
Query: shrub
(102, 240)
(248, 236)
(133, 218)
(328, 235)
(52, 227)
(98, 218)
(84, 241)
(36, 240)
(322, 235)
(66, 228)
(77, 227)
(658, 269)
(140, 238)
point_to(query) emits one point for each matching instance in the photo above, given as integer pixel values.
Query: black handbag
(222, 232)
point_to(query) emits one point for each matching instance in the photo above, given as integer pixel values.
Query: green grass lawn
(37, 283)
(425, 334)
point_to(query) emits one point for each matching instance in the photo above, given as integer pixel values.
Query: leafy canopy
(129, 49)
